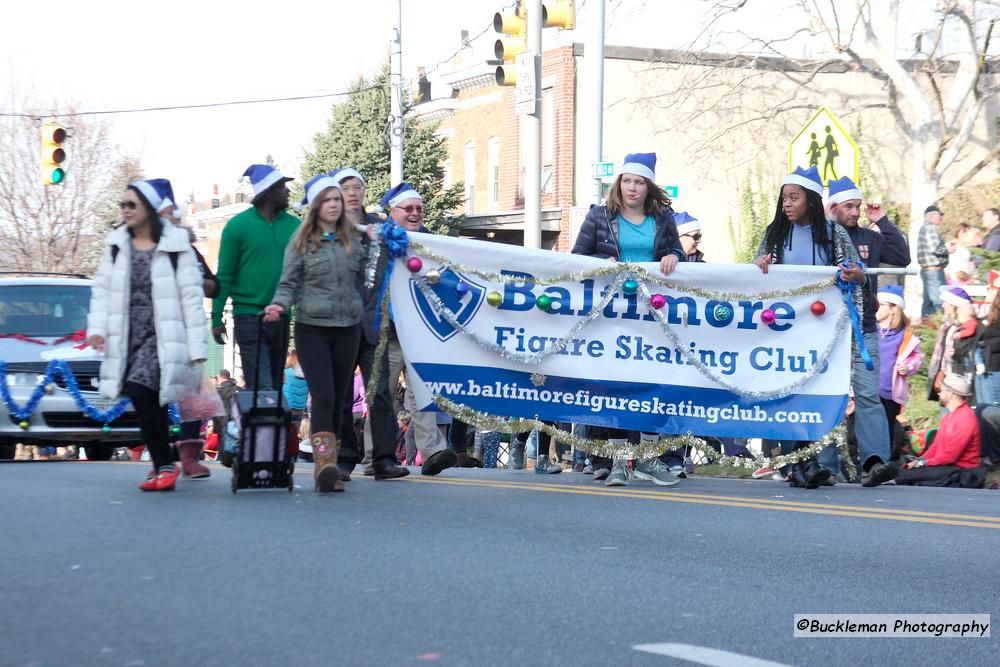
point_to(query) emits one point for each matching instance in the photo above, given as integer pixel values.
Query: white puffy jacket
(179, 316)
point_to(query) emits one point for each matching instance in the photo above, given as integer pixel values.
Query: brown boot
(188, 451)
(326, 474)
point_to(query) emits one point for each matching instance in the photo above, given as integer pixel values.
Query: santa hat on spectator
(686, 223)
(263, 176)
(841, 190)
(398, 194)
(316, 185)
(806, 178)
(993, 279)
(347, 172)
(640, 164)
(159, 193)
(956, 296)
(891, 294)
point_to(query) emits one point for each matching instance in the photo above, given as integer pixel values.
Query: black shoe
(879, 473)
(391, 471)
(439, 461)
(796, 476)
(345, 471)
(814, 473)
(369, 471)
(463, 460)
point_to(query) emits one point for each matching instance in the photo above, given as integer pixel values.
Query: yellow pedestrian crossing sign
(825, 144)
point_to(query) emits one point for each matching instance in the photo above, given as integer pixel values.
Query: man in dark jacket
(226, 389)
(991, 221)
(874, 247)
(379, 446)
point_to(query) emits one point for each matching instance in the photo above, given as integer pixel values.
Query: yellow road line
(973, 521)
(640, 492)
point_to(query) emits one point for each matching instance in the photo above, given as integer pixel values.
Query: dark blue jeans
(273, 340)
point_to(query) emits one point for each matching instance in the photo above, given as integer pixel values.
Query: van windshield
(43, 310)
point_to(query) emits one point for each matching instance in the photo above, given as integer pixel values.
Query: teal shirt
(251, 256)
(635, 242)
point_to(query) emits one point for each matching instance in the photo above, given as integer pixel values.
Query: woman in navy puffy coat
(636, 225)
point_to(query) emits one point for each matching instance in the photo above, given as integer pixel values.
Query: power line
(206, 105)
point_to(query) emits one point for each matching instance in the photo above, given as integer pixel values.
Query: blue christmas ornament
(630, 286)
(723, 314)
(461, 288)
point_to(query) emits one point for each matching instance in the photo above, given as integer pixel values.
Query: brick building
(480, 122)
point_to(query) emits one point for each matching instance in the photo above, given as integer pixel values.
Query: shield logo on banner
(863, 251)
(463, 308)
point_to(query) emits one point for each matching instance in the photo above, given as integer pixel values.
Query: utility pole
(531, 132)
(396, 100)
(594, 65)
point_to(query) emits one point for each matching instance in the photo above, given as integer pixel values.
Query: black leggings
(327, 356)
(154, 422)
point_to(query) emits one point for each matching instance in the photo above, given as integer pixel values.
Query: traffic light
(53, 154)
(559, 14)
(510, 23)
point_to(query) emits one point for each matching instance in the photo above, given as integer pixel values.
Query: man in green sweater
(250, 261)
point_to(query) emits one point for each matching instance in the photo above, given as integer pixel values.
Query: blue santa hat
(347, 172)
(263, 176)
(159, 193)
(401, 192)
(891, 294)
(641, 164)
(316, 185)
(686, 223)
(807, 178)
(841, 190)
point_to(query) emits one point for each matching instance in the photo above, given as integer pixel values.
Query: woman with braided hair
(801, 234)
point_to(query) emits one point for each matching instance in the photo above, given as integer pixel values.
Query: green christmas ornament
(175, 429)
(494, 299)
(105, 429)
(630, 286)
(23, 424)
(543, 302)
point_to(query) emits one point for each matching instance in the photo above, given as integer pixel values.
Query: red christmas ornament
(657, 301)
(414, 264)
(818, 308)
(767, 316)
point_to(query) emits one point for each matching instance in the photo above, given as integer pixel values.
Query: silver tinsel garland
(642, 450)
(616, 269)
(692, 358)
(374, 252)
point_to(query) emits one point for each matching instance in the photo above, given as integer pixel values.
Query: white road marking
(703, 655)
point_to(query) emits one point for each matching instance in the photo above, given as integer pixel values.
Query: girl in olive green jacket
(322, 274)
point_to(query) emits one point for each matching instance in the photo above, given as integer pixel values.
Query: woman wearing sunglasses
(689, 230)
(146, 316)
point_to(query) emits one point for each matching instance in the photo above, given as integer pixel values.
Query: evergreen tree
(357, 135)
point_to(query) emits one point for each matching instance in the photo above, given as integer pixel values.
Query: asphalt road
(479, 567)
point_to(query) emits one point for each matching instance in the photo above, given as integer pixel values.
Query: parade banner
(712, 350)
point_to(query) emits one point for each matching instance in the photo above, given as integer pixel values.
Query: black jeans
(327, 356)
(272, 341)
(924, 474)
(154, 422)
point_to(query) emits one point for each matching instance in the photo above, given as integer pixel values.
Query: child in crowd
(900, 355)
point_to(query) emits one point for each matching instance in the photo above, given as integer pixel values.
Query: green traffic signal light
(57, 176)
